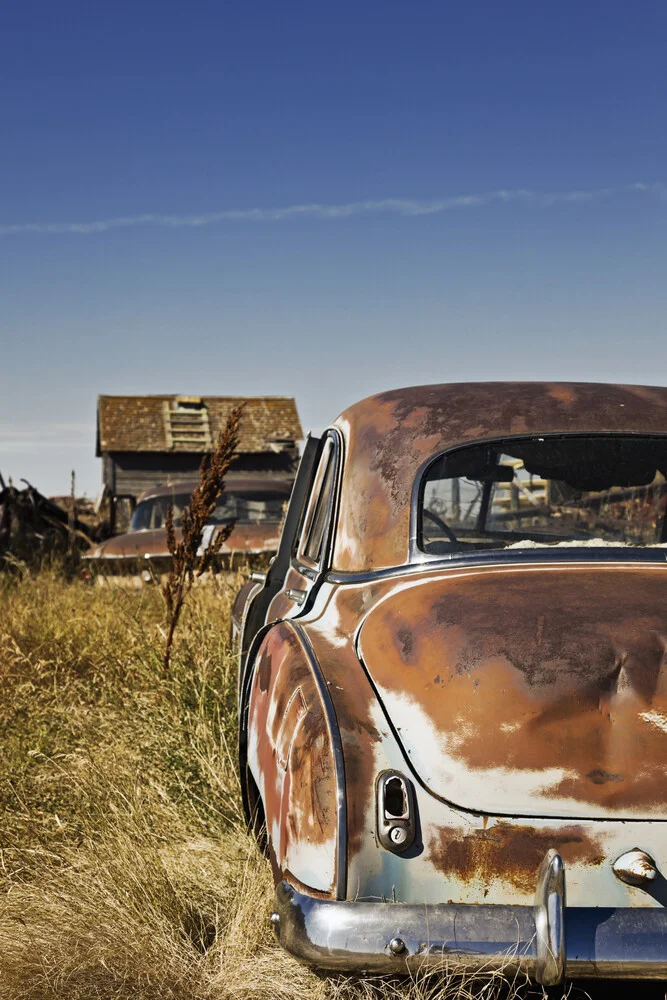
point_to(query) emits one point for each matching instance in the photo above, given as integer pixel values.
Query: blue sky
(484, 192)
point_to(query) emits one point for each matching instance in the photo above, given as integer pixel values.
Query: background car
(453, 685)
(255, 505)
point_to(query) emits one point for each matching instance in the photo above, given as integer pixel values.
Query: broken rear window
(596, 490)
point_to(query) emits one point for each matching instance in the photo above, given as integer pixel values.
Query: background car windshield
(248, 507)
(546, 491)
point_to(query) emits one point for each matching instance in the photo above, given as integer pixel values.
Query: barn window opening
(187, 424)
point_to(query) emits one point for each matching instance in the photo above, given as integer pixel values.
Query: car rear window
(566, 490)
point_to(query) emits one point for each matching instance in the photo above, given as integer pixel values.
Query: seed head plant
(188, 560)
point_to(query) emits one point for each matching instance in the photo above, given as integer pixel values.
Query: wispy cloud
(386, 206)
(15, 438)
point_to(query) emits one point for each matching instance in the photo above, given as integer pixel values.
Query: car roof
(256, 484)
(390, 436)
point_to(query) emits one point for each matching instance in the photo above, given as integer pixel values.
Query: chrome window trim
(301, 562)
(327, 455)
(339, 761)
(513, 560)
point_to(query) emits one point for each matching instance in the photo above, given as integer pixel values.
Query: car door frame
(313, 571)
(259, 601)
(289, 558)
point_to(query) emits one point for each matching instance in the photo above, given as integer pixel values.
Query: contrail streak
(406, 207)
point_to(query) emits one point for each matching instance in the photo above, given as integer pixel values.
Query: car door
(261, 591)
(311, 550)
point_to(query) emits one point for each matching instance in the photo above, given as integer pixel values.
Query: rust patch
(290, 750)
(561, 670)
(136, 544)
(407, 642)
(391, 435)
(296, 710)
(600, 777)
(353, 699)
(510, 853)
(264, 670)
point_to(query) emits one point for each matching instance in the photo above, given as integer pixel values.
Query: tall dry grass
(125, 867)
(187, 563)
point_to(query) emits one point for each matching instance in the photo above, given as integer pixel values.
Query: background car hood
(531, 690)
(134, 544)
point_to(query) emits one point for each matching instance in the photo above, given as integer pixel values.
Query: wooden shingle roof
(192, 424)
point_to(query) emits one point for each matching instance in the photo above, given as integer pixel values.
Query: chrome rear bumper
(385, 938)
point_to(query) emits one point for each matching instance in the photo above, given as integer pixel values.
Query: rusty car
(453, 685)
(254, 504)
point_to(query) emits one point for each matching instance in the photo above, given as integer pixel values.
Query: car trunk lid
(532, 690)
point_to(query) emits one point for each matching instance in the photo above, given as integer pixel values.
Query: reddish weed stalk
(187, 562)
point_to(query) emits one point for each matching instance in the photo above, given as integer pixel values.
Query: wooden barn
(147, 441)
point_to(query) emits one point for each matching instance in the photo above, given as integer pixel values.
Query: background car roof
(256, 484)
(389, 437)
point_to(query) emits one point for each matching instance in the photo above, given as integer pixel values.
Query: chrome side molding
(550, 920)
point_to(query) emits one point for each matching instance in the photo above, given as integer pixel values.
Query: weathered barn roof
(192, 423)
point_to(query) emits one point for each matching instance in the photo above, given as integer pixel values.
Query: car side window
(318, 513)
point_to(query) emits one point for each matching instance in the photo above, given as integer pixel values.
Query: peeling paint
(526, 704)
(389, 436)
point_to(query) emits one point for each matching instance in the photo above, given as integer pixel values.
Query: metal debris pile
(33, 526)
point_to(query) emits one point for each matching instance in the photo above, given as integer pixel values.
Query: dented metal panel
(539, 690)
(291, 758)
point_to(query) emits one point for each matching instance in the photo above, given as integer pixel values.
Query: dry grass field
(125, 868)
